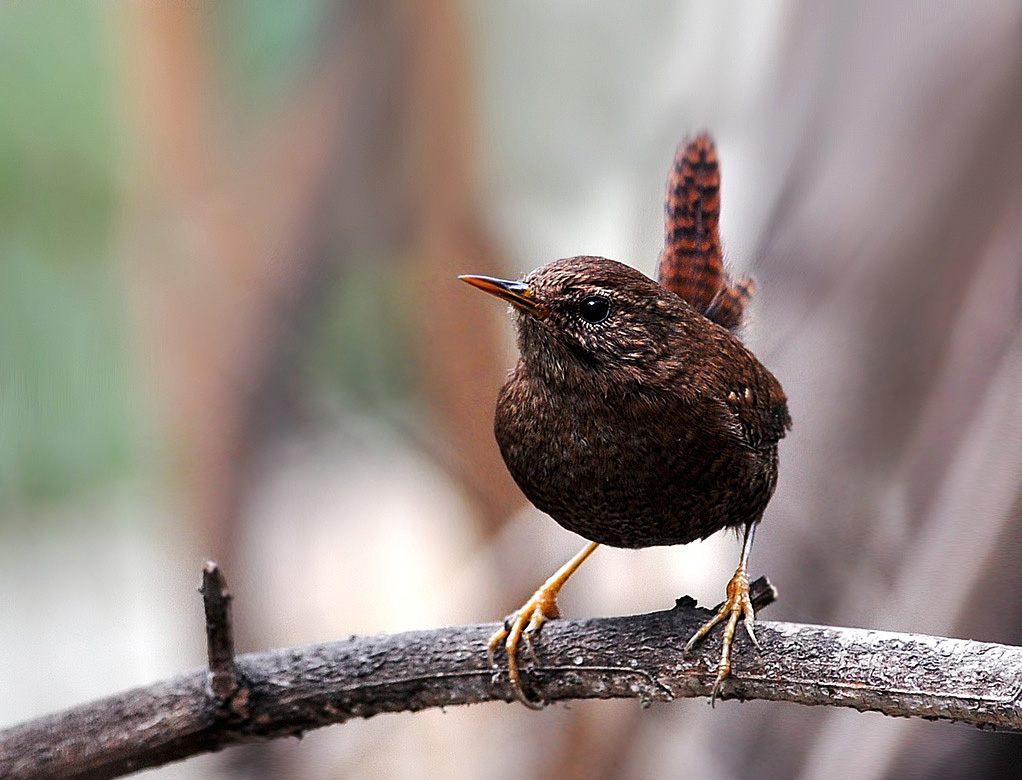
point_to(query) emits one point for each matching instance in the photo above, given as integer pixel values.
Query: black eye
(594, 309)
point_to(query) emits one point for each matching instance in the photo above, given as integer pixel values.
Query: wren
(635, 417)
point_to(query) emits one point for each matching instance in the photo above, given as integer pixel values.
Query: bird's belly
(627, 481)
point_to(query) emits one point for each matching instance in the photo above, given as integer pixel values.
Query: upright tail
(692, 261)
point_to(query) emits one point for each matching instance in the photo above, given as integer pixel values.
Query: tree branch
(216, 603)
(287, 692)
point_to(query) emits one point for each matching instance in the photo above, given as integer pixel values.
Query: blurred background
(230, 328)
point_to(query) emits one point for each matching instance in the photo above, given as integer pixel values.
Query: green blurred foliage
(358, 352)
(265, 47)
(63, 371)
(72, 417)
(67, 393)
(353, 352)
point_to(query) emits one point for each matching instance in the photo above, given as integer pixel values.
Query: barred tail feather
(692, 261)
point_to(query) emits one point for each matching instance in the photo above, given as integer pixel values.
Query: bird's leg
(737, 604)
(525, 622)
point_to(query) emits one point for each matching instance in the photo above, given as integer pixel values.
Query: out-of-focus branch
(290, 691)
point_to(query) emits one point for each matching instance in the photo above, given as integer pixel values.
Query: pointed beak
(516, 293)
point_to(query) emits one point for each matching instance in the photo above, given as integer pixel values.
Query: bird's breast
(623, 470)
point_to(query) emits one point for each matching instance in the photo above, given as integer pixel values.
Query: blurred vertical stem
(458, 335)
(227, 248)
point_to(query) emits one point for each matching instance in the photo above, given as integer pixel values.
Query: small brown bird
(634, 416)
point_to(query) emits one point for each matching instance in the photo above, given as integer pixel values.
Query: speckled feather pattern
(654, 427)
(692, 262)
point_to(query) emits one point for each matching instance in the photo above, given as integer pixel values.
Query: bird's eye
(594, 309)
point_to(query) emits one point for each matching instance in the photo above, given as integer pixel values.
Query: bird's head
(592, 315)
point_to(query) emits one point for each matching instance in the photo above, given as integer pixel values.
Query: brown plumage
(654, 426)
(634, 416)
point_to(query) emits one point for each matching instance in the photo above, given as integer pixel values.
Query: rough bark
(290, 691)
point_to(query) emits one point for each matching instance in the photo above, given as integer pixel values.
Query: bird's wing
(760, 410)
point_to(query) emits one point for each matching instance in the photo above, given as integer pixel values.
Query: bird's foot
(526, 622)
(523, 625)
(736, 605)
